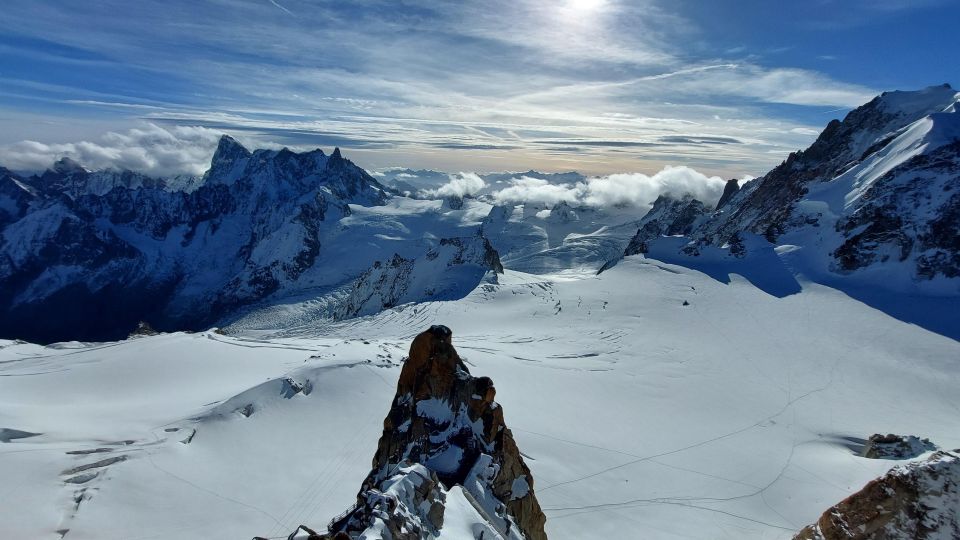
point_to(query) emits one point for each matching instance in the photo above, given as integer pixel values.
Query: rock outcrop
(892, 446)
(448, 271)
(729, 190)
(444, 441)
(668, 217)
(916, 501)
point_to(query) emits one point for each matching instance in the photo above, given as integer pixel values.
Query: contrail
(274, 2)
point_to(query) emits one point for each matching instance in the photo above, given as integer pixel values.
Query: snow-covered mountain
(877, 196)
(90, 254)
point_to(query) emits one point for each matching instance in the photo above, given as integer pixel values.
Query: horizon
(594, 86)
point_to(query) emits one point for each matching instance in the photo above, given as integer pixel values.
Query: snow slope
(734, 416)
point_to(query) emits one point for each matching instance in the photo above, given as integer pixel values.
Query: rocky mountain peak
(228, 162)
(229, 149)
(444, 437)
(67, 166)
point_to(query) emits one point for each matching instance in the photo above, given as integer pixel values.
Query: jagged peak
(66, 165)
(336, 154)
(729, 190)
(229, 149)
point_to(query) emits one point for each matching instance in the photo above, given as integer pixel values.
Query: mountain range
(92, 254)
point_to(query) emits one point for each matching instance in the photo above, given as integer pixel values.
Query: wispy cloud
(513, 84)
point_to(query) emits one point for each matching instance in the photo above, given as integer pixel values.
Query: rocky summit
(446, 458)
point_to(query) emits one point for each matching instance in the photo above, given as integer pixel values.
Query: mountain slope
(876, 197)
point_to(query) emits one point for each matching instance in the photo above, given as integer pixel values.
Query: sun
(584, 5)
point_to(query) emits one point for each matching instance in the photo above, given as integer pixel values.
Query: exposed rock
(729, 190)
(916, 501)
(448, 271)
(896, 446)
(143, 329)
(452, 202)
(667, 217)
(444, 429)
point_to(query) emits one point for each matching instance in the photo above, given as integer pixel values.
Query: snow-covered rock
(444, 440)
(918, 501)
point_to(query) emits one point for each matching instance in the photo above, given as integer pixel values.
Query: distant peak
(230, 147)
(66, 165)
(336, 154)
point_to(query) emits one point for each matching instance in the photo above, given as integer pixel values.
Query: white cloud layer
(625, 189)
(150, 149)
(460, 185)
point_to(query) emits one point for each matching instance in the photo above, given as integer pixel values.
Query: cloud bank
(460, 185)
(624, 189)
(150, 149)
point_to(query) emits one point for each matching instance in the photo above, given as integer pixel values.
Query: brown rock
(445, 423)
(917, 501)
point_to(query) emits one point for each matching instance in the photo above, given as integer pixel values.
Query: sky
(726, 87)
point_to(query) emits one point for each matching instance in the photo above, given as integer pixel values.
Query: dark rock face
(444, 429)
(729, 190)
(88, 255)
(892, 446)
(917, 501)
(905, 214)
(667, 217)
(400, 280)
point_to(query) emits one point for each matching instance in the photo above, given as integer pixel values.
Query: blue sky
(728, 87)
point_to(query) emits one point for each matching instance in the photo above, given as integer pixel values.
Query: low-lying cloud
(150, 149)
(625, 189)
(460, 185)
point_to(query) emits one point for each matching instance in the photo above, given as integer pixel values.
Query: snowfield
(651, 401)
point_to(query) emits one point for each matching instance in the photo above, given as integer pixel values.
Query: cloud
(518, 84)
(535, 190)
(782, 85)
(460, 185)
(625, 189)
(636, 189)
(150, 149)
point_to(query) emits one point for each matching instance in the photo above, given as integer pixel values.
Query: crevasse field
(737, 415)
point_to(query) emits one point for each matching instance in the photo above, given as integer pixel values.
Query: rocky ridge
(92, 254)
